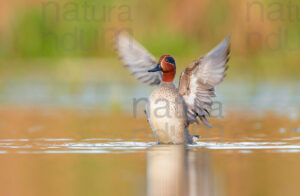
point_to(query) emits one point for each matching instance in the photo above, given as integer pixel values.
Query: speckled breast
(166, 114)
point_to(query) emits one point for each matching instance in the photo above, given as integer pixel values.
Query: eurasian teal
(171, 110)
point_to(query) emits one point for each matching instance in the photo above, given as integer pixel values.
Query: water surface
(95, 166)
(56, 140)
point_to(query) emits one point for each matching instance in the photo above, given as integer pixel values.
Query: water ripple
(106, 145)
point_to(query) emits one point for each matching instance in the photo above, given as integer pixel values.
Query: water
(118, 146)
(57, 141)
(95, 166)
(260, 96)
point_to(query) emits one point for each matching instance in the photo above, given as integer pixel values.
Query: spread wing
(137, 59)
(197, 82)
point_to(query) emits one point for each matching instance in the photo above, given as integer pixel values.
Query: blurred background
(62, 53)
(62, 84)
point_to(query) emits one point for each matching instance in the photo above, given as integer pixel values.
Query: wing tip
(227, 39)
(221, 48)
(204, 120)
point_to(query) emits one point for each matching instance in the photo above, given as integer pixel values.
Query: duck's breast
(166, 114)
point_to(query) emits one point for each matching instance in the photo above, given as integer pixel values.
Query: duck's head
(166, 64)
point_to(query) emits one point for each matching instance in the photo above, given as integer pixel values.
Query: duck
(170, 110)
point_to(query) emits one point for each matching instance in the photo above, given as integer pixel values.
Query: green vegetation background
(42, 34)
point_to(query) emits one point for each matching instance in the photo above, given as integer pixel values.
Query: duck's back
(166, 114)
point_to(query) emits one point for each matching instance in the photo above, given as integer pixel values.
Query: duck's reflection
(175, 170)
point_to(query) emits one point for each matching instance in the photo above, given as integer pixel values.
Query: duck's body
(170, 110)
(167, 114)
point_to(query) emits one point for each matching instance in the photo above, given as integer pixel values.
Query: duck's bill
(157, 68)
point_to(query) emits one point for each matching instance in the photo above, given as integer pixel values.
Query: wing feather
(197, 82)
(137, 59)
